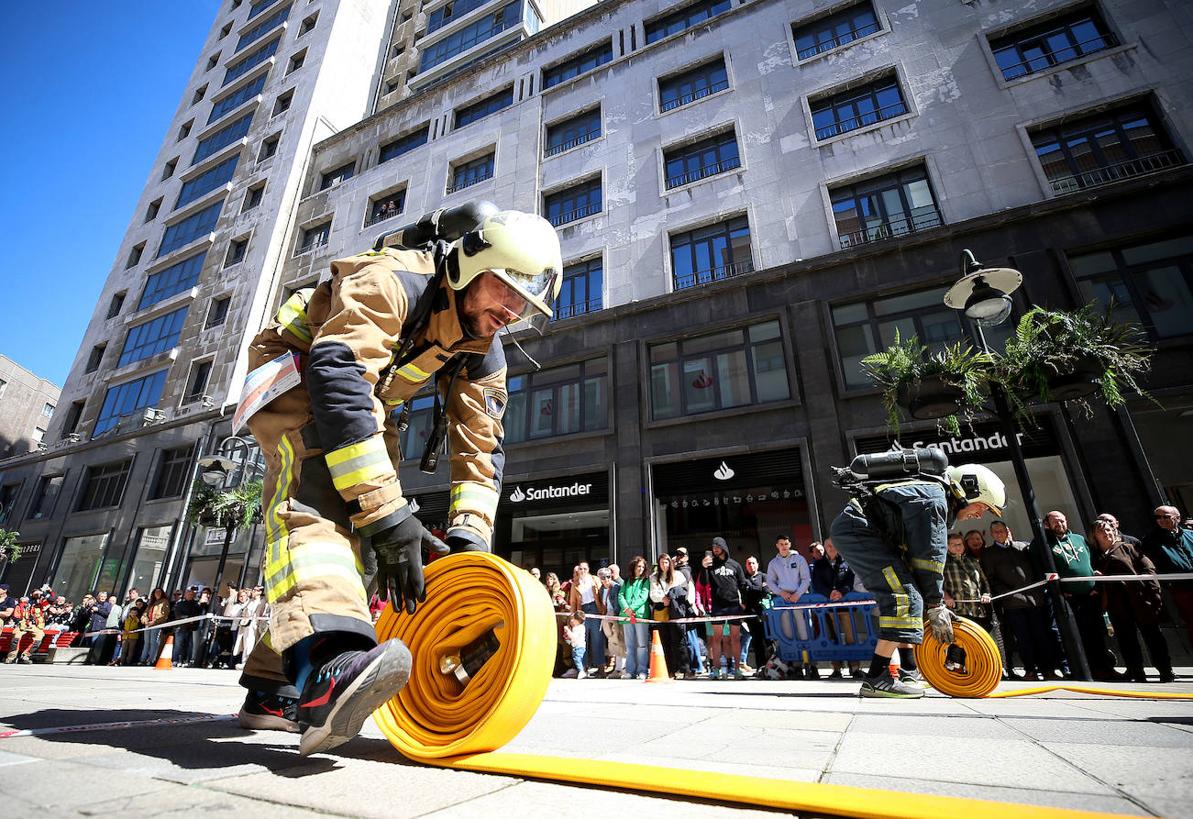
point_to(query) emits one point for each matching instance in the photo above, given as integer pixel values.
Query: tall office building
(27, 403)
(750, 197)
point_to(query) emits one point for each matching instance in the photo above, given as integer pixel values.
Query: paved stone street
(1118, 755)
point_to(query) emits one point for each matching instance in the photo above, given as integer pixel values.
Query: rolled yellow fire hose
(439, 720)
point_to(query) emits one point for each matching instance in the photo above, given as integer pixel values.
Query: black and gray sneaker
(266, 712)
(340, 696)
(913, 678)
(884, 685)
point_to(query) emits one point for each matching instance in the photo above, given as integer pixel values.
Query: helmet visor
(537, 291)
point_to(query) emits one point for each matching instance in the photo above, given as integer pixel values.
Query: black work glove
(398, 556)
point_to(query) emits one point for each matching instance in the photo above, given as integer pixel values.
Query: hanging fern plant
(228, 509)
(9, 546)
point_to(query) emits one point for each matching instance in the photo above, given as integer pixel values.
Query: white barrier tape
(1097, 578)
(726, 617)
(170, 624)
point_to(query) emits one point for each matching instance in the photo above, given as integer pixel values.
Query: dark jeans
(675, 647)
(101, 650)
(1033, 638)
(1087, 611)
(594, 638)
(757, 640)
(1125, 627)
(183, 643)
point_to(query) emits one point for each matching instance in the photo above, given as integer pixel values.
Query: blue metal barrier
(842, 633)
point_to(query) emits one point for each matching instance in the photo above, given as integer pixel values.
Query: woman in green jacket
(633, 601)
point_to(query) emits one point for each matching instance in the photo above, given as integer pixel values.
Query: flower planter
(930, 398)
(1077, 384)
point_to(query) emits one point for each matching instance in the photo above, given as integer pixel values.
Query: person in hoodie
(728, 580)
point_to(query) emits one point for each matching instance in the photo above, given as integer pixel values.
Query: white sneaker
(581, 675)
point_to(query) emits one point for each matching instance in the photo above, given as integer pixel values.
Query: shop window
(711, 253)
(173, 467)
(733, 368)
(569, 133)
(103, 485)
(835, 30)
(698, 160)
(581, 290)
(1150, 283)
(695, 83)
(152, 545)
(896, 204)
(685, 18)
(1054, 42)
(46, 495)
(79, 565)
(857, 107)
(558, 401)
(1104, 148)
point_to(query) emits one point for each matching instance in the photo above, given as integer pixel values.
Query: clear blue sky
(87, 92)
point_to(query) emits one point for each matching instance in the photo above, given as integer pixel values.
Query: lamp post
(220, 470)
(984, 296)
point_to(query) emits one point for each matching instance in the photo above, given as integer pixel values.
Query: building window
(38, 435)
(253, 197)
(838, 29)
(733, 368)
(206, 182)
(116, 304)
(261, 29)
(471, 35)
(225, 31)
(134, 256)
(47, 410)
(236, 250)
(236, 99)
(269, 147)
(212, 61)
(684, 19)
(193, 227)
(45, 496)
(73, 416)
(258, 7)
(153, 210)
(866, 327)
(8, 499)
(197, 384)
(393, 85)
(174, 279)
(282, 104)
(471, 173)
(697, 160)
(169, 168)
(579, 64)
(200, 92)
(392, 150)
(449, 12)
(583, 127)
(314, 237)
(222, 138)
(1150, 283)
(397, 51)
(238, 70)
(896, 204)
(103, 485)
(1053, 42)
(693, 84)
(1104, 148)
(712, 253)
(857, 107)
(173, 468)
(386, 207)
(573, 203)
(558, 401)
(581, 290)
(296, 61)
(482, 108)
(95, 358)
(218, 312)
(337, 175)
(308, 25)
(127, 398)
(154, 336)
(185, 129)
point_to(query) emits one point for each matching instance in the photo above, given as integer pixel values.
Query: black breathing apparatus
(866, 472)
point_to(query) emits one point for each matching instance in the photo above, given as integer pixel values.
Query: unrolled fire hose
(484, 646)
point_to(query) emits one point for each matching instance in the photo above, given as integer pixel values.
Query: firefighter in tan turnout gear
(387, 323)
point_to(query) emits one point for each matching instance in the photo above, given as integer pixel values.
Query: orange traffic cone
(658, 663)
(165, 660)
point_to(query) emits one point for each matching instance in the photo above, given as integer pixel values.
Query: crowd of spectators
(988, 578)
(132, 631)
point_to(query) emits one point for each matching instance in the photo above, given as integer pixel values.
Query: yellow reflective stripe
(413, 374)
(276, 533)
(475, 497)
(892, 579)
(902, 605)
(293, 315)
(927, 565)
(357, 463)
(900, 622)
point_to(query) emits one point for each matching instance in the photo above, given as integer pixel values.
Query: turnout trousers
(904, 571)
(313, 573)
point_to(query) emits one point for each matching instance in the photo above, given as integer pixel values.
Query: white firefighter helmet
(975, 483)
(519, 248)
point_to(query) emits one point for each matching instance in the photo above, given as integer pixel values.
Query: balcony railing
(468, 183)
(572, 215)
(313, 244)
(838, 40)
(1049, 59)
(699, 93)
(552, 150)
(1109, 174)
(715, 274)
(702, 173)
(381, 216)
(890, 229)
(579, 308)
(844, 126)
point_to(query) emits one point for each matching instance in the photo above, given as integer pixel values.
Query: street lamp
(984, 295)
(220, 470)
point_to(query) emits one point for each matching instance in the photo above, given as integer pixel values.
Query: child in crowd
(573, 635)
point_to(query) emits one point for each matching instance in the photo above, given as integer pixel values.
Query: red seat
(60, 639)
